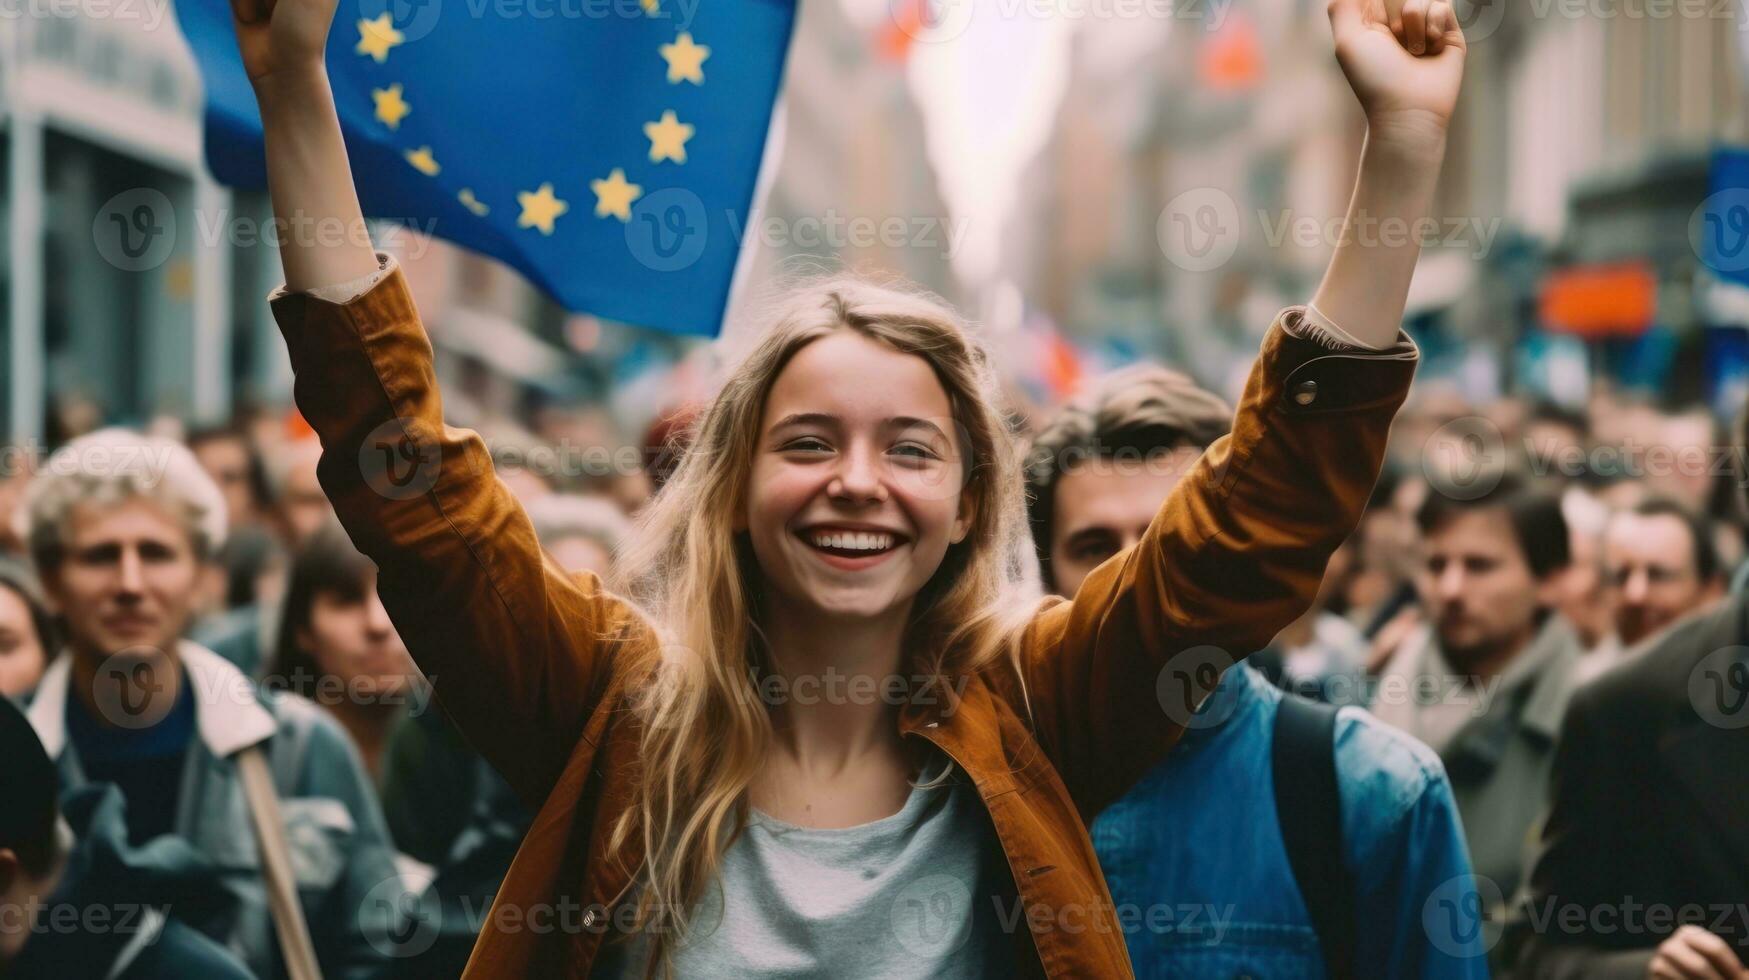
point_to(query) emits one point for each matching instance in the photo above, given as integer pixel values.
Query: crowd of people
(896, 676)
(1532, 665)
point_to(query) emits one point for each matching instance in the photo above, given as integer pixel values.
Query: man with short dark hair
(1486, 683)
(67, 909)
(1661, 564)
(1098, 473)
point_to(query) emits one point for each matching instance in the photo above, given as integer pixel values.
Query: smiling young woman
(847, 522)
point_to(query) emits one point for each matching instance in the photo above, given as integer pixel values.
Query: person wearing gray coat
(119, 525)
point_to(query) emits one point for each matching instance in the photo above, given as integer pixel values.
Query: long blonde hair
(706, 730)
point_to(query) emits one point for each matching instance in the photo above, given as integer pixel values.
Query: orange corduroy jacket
(536, 665)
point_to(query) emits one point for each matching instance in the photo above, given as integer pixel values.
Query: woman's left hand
(1404, 59)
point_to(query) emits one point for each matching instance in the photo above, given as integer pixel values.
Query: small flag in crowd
(607, 149)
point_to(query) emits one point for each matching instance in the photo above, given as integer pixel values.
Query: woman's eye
(916, 450)
(806, 444)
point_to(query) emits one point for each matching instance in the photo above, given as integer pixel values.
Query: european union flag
(607, 149)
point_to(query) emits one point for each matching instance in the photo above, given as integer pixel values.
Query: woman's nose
(858, 478)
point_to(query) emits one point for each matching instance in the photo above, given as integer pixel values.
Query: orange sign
(1618, 299)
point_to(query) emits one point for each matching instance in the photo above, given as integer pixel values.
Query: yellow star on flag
(471, 202)
(650, 6)
(615, 196)
(377, 36)
(391, 108)
(685, 60)
(539, 208)
(423, 161)
(668, 138)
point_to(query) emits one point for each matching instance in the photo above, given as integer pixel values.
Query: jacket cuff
(345, 292)
(1320, 374)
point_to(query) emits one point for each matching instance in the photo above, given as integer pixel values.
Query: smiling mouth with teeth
(851, 544)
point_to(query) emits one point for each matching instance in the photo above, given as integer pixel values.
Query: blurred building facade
(1581, 148)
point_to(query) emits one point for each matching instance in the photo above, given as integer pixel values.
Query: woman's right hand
(281, 38)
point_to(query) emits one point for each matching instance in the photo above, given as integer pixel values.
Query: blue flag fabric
(607, 149)
(1724, 217)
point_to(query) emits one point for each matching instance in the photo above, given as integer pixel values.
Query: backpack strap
(1308, 807)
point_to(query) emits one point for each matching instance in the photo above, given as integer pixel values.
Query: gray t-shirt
(919, 894)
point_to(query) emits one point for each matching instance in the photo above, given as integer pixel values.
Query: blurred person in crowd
(228, 456)
(77, 900)
(29, 637)
(1553, 441)
(118, 528)
(1681, 467)
(1487, 682)
(338, 648)
(1645, 854)
(242, 623)
(17, 464)
(582, 533)
(1585, 595)
(300, 507)
(1097, 474)
(1661, 564)
(665, 442)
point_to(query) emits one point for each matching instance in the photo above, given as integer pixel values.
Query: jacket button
(1306, 392)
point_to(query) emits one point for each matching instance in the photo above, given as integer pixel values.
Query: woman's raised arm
(518, 652)
(1239, 549)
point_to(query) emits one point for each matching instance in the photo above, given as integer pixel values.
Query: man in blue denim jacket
(1097, 474)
